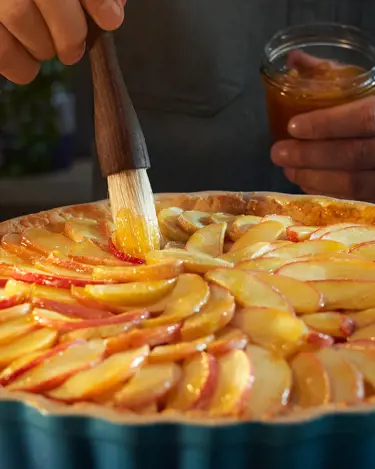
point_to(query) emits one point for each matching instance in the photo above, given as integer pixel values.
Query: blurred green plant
(28, 121)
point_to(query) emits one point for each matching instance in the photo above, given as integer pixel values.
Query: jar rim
(327, 33)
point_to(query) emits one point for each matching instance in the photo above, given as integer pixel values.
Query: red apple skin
(320, 340)
(6, 380)
(3, 281)
(84, 324)
(11, 301)
(122, 256)
(70, 264)
(204, 398)
(79, 294)
(78, 311)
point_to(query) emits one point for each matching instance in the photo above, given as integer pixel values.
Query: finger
(302, 61)
(108, 14)
(16, 64)
(22, 18)
(352, 120)
(67, 25)
(349, 155)
(352, 185)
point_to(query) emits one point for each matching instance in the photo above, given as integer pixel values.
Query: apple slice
(346, 381)
(123, 256)
(149, 385)
(180, 351)
(306, 248)
(32, 342)
(226, 340)
(88, 384)
(56, 258)
(174, 245)
(60, 271)
(216, 314)
(45, 241)
(193, 220)
(71, 309)
(79, 230)
(353, 235)
(367, 332)
(263, 232)
(303, 297)
(364, 250)
(362, 357)
(193, 262)
(253, 251)
(10, 301)
(169, 226)
(133, 293)
(208, 240)
(329, 269)
(247, 289)
(311, 382)
(221, 217)
(136, 338)
(109, 332)
(242, 224)
(235, 377)
(270, 328)
(189, 296)
(162, 271)
(272, 384)
(334, 324)
(346, 294)
(53, 372)
(199, 378)
(363, 318)
(298, 233)
(6, 270)
(285, 220)
(319, 233)
(15, 328)
(14, 287)
(15, 312)
(88, 252)
(263, 264)
(11, 243)
(9, 258)
(63, 323)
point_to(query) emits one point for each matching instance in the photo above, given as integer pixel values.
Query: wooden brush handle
(119, 139)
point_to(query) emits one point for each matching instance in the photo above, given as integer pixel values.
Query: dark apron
(192, 69)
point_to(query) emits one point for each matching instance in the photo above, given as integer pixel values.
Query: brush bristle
(133, 209)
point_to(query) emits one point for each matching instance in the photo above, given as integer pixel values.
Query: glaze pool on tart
(243, 313)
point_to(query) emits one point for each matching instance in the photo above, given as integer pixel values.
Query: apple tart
(257, 307)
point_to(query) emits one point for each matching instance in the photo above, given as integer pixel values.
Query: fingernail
(280, 153)
(298, 127)
(111, 14)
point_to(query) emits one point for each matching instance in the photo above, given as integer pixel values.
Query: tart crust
(309, 210)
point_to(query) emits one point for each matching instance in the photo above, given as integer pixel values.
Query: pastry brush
(121, 150)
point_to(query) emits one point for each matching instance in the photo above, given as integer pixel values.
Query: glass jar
(315, 66)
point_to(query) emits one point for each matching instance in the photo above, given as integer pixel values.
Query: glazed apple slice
(247, 289)
(320, 232)
(352, 235)
(87, 252)
(7, 302)
(283, 219)
(60, 271)
(136, 338)
(111, 331)
(133, 293)
(362, 356)
(363, 318)
(298, 233)
(64, 323)
(53, 372)
(198, 382)
(263, 232)
(9, 258)
(303, 297)
(45, 241)
(148, 386)
(305, 248)
(241, 224)
(226, 340)
(272, 384)
(33, 342)
(235, 377)
(208, 240)
(169, 226)
(11, 243)
(180, 351)
(189, 296)
(194, 263)
(333, 324)
(221, 217)
(71, 309)
(365, 251)
(253, 251)
(270, 328)
(346, 381)
(14, 287)
(15, 328)
(215, 315)
(15, 312)
(311, 385)
(329, 269)
(346, 294)
(91, 383)
(162, 271)
(56, 258)
(79, 230)
(367, 333)
(263, 264)
(193, 220)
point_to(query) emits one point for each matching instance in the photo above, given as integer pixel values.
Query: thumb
(108, 14)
